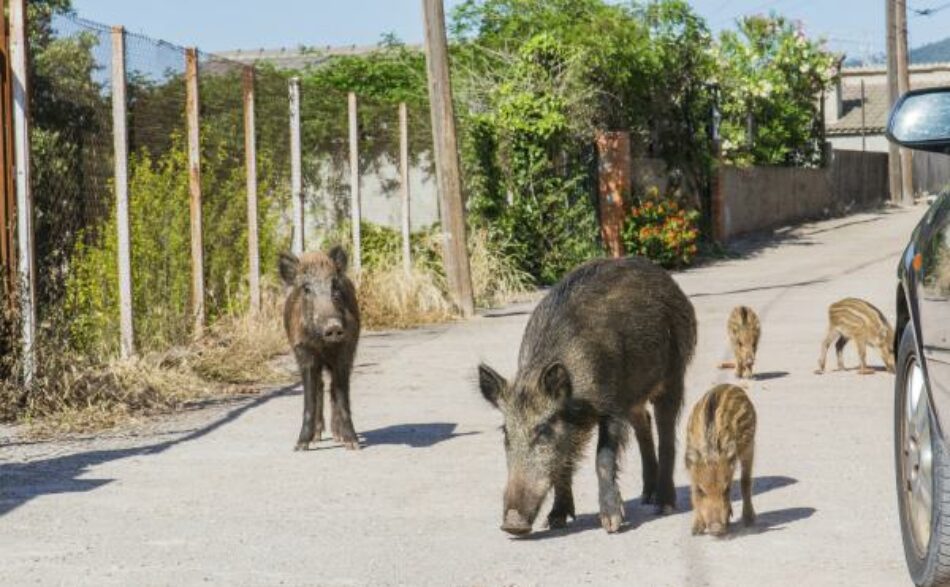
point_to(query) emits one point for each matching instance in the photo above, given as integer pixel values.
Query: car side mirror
(921, 120)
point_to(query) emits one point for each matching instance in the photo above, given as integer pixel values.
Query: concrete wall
(931, 172)
(761, 198)
(876, 143)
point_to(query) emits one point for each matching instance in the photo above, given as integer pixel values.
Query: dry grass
(239, 349)
(78, 394)
(391, 298)
(496, 279)
(74, 393)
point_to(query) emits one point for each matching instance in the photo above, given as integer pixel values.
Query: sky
(852, 26)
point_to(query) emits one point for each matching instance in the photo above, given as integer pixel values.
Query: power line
(929, 11)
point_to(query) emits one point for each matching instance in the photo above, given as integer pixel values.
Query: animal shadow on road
(413, 435)
(769, 375)
(637, 515)
(22, 482)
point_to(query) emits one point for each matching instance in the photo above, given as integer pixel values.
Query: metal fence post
(26, 264)
(194, 185)
(296, 181)
(121, 155)
(250, 154)
(404, 177)
(355, 214)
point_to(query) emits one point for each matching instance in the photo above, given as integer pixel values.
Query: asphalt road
(218, 496)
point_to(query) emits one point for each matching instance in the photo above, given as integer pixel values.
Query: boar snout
(521, 507)
(333, 331)
(515, 524)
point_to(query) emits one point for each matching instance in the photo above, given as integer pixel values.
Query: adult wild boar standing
(612, 335)
(322, 319)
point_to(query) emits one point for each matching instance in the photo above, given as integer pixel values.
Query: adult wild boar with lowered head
(322, 320)
(611, 336)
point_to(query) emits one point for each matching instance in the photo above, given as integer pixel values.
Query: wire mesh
(71, 144)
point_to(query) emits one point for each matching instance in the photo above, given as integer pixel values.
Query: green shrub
(161, 252)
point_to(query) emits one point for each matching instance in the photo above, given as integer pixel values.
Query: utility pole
(903, 86)
(455, 248)
(893, 159)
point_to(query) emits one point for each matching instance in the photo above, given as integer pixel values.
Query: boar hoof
(748, 518)
(611, 522)
(865, 371)
(301, 446)
(664, 510)
(648, 498)
(352, 445)
(698, 528)
(557, 521)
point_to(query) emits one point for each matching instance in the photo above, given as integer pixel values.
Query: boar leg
(745, 482)
(341, 400)
(610, 440)
(862, 346)
(829, 338)
(839, 351)
(640, 418)
(666, 409)
(563, 501)
(312, 398)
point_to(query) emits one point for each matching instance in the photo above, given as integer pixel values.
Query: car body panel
(924, 274)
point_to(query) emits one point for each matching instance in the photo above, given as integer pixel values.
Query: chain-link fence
(74, 163)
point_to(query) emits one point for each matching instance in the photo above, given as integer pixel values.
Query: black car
(921, 120)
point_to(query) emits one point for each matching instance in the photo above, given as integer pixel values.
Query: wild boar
(721, 431)
(611, 336)
(322, 319)
(744, 330)
(856, 319)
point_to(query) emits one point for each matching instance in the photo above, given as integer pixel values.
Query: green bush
(161, 252)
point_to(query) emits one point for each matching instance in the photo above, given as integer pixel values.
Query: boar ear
(491, 384)
(288, 264)
(556, 381)
(338, 256)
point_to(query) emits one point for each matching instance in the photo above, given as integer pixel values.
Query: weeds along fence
(164, 183)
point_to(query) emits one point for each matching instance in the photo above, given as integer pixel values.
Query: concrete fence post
(296, 178)
(121, 163)
(250, 159)
(26, 264)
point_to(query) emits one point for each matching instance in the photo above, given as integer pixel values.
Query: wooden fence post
(404, 179)
(26, 264)
(296, 179)
(613, 164)
(121, 154)
(194, 185)
(250, 157)
(355, 213)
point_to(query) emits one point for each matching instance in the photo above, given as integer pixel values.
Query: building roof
(876, 106)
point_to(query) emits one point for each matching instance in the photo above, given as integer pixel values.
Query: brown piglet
(721, 432)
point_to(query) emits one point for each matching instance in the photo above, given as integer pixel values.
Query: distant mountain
(931, 52)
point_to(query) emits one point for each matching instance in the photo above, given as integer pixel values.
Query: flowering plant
(662, 231)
